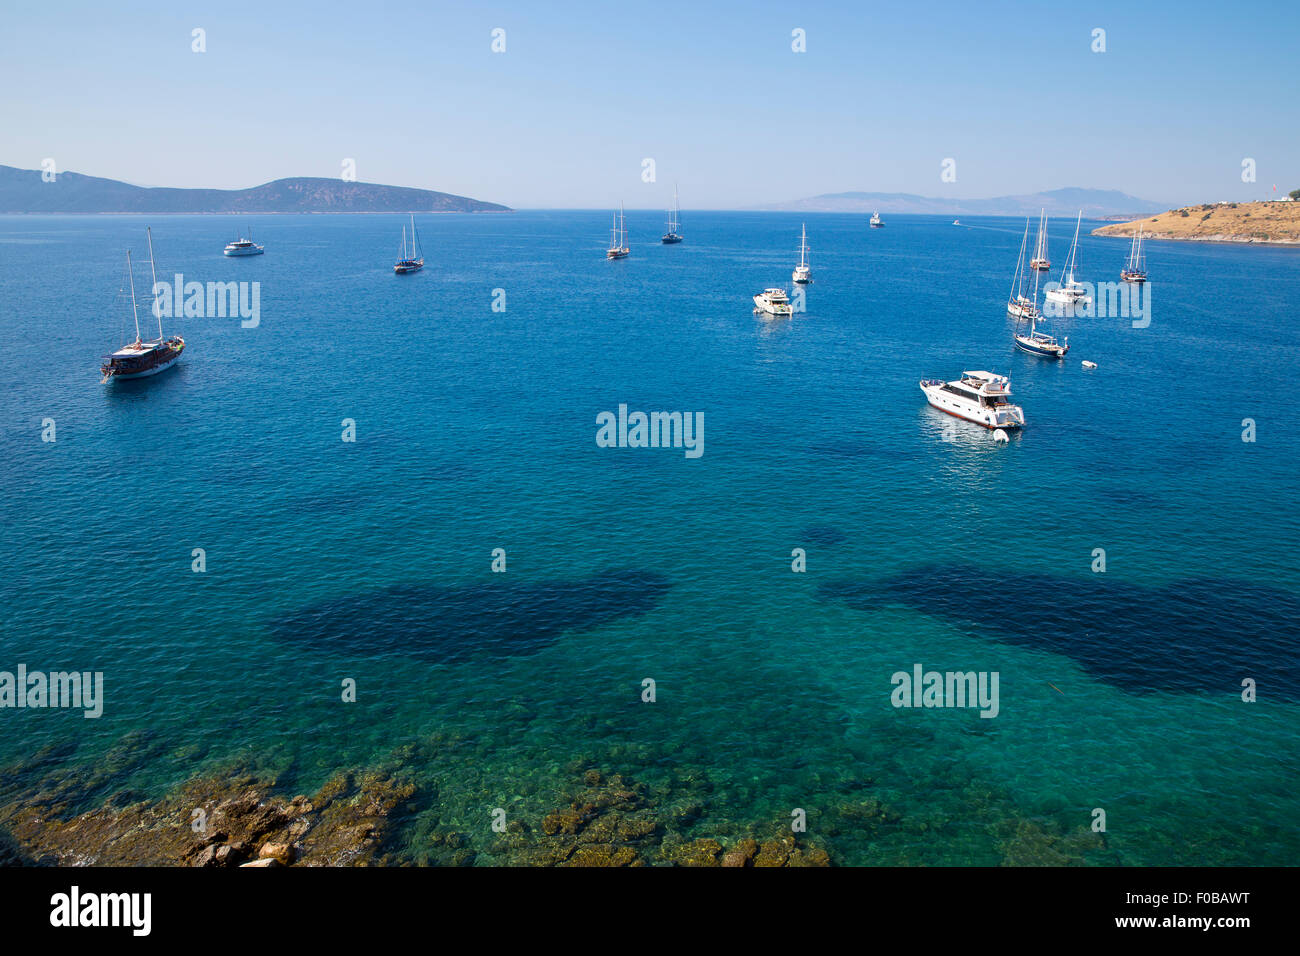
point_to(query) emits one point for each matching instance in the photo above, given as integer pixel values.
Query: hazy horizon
(565, 117)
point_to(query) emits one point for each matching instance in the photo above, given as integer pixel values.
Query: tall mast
(803, 246)
(1016, 287)
(154, 288)
(1068, 268)
(130, 276)
(622, 227)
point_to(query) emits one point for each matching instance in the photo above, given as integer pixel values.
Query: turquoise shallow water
(475, 430)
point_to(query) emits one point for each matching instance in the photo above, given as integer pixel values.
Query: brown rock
(742, 854)
(281, 852)
(602, 854)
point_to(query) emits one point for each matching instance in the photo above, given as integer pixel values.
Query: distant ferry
(803, 272)
(412, 259)
(141, 359)
(979, 397)
(875, 220)
(672, 236)
(618, 238)
(244, 247)
(1135, 269)
(773, 302)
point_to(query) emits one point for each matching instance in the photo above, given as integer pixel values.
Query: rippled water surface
(475, 430)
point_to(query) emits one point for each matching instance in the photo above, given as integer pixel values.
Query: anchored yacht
(773, 302)
(1071, 290)
(142, 358)
(244, 247)
(1040, 261)
(979, 397)
(875, 220)
(618, 238)
(803, 272)
(1135, 269)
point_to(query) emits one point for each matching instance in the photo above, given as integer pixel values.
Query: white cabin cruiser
(773, 302)
(979, 397)
(244, 246)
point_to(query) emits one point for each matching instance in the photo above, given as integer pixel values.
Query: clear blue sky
(710, 90)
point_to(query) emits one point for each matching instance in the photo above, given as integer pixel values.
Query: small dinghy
(1087, 364)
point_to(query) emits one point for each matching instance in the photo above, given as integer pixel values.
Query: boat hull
(670, 239)
(980, 416)
(782, 310)
(245, 252)
(163, 361)
(616, 253)
(1066, 297)
(402, 268)
(1040, 349)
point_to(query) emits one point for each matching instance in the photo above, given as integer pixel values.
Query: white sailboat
(1018, 304)
(803, 272)
(618, 238)
(672, 236)
(1034, 341)
(1040, 260)
(1070, 291)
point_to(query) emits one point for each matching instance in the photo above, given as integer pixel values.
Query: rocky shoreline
(237, 815)
(1252, 223)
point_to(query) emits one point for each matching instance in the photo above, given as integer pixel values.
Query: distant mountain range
(23, 191)
(1095, 203)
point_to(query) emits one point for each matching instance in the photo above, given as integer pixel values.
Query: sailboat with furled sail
(1018, 304)
(1040, 260)
(1070, 290)
(141, 358)
(618, 238)
(1034, 341)
(672, 235)
(1135, 269)
(412, 259)
(803, 272)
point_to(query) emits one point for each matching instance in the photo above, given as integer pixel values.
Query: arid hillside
(1230, 222)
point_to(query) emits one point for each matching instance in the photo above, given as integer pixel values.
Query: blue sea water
(926, 541)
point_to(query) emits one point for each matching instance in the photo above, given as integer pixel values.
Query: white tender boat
(773, 302)
(979, 397)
